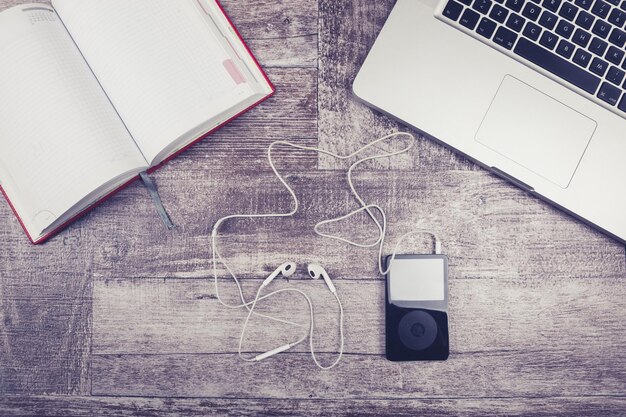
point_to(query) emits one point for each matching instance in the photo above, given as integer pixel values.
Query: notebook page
(159, 62)
(60, 137)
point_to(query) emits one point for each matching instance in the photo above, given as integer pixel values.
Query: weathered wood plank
(293, 375)
(487, 316)
(282, 33)
(189, 407)
(44, 330)
(488, 229)
(45, 306)
(291, 114)
(347, 32)
(508, 338)
(512, 257)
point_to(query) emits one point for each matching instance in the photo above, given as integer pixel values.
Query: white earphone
(315, 271)
(286, 270)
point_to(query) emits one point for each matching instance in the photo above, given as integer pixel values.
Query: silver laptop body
(562, 141)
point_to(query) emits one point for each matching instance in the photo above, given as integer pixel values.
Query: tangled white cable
(368, 208)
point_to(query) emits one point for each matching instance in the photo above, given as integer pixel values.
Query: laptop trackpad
(536, 131)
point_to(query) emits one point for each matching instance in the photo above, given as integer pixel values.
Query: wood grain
(117, 306)
(347, 32)
(44, 331)
(240, 407)
(293, 375)
(488, 229)
(155, 317)
(149, 333)
(291, 114)
(283, 33)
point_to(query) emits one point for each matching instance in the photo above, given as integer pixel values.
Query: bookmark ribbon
(151, 186)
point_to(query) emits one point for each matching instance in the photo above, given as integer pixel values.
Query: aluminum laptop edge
(513, 118)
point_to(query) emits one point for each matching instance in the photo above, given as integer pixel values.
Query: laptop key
(482, 6)
(551, 4)
(515, 22)
(548, 39)
(609, 93)
(532, 31)
(469, 19)
(582, 57)
(614, 2)
(581, 38)
(531, 11)
(514, 4)
(585, 20)
(615, 55)
(617, 17)
(568, 11)
(585, 4)
(499, 13)
(599, 66)
(565, 49)
(622, 104)
(615, 75)
(453, 10)
(505, 37)
(466, 2)
(486, 27)
(601, 9)
(557, 65)
(601, 28)
(598, 46)
(564, 29)
(617, 38)
(548, 20)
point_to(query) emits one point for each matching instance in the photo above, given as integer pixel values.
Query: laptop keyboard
(580, 41)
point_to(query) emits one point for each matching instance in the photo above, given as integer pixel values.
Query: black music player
(417, 308)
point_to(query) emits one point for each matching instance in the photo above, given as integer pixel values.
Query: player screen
(417, 280)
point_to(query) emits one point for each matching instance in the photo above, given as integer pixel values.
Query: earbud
(316, 271)
(286, 270)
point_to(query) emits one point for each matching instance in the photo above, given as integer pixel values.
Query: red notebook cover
(46, 237)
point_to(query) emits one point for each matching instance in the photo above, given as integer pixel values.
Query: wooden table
(117, 316)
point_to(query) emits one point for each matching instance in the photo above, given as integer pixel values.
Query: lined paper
(158, 61)
(60, 137)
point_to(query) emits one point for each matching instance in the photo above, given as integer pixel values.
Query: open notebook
(93, 92)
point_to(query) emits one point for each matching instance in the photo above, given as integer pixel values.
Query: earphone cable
(368, 208)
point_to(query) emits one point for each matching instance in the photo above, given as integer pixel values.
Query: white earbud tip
(289, 269)
(315, 271)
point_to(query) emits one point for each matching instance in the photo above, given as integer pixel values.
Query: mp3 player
(417, 308)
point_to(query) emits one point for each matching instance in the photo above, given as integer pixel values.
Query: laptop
(533, 90)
